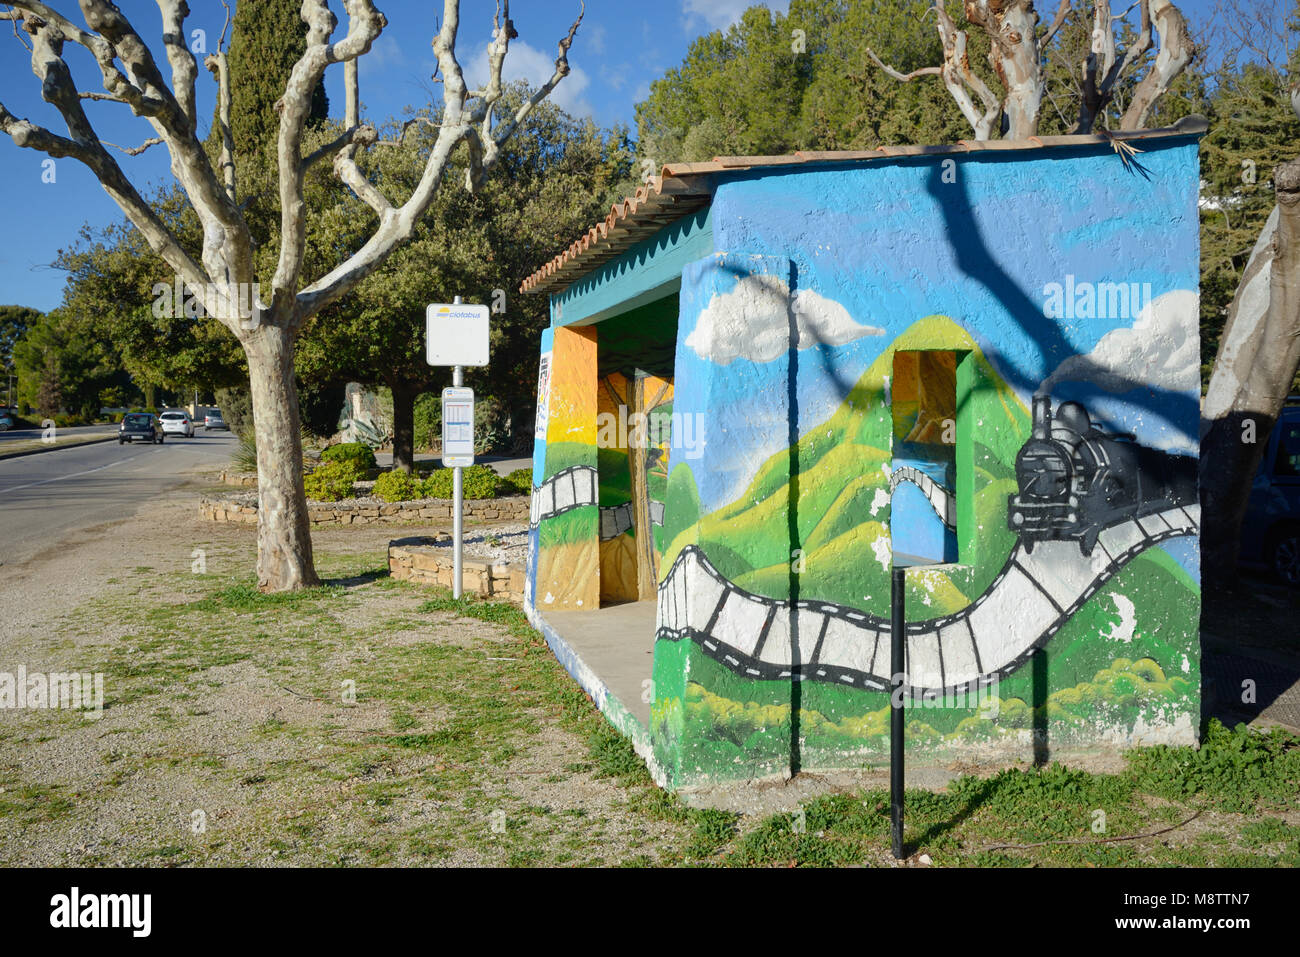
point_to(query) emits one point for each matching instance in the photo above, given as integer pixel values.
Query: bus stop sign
(456, 334)
(457, 428)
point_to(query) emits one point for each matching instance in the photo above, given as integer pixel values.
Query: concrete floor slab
(617, 643)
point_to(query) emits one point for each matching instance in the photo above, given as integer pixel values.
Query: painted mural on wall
(600, 474)
(564, 557)
(1076, 376)
(923, 471)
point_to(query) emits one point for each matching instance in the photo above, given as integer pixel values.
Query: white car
(177, 423)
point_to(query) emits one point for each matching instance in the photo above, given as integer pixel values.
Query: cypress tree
(267, 38)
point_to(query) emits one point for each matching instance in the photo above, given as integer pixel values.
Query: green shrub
(236, 407)
(438, 484)
(428, 420)
(331, 481)
(480, 481)
(518, 482)
(244, 458)
(491, 425)
(358, 453)
(398, 486)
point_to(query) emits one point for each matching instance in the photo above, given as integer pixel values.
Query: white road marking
(60, 478)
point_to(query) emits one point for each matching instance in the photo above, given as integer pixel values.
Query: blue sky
(620, 49)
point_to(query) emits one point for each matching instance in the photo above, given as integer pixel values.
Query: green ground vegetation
(461, 711)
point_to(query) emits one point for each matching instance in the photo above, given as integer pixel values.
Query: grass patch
(440, 742)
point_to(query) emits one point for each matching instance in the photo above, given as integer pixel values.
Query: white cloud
(752, 321)
(385, 54)
(720, 14)
(595, 38)
(1162, 350)
(525, 62)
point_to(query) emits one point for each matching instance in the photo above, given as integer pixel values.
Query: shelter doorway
(635, 354)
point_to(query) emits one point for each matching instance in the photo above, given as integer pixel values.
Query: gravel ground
(507, 542)
(247, 757)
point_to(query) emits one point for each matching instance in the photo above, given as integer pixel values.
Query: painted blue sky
(620, 49)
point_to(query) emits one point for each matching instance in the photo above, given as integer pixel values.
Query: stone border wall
(239, 511)
(431, 565)
(249, 479)
(240, 479)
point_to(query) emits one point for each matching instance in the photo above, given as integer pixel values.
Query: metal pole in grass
(897, 622)
(456, 335)
(458, 497)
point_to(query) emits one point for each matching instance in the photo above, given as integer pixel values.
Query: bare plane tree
(1018, 55)
(223, 270)
(1260, 347)
(1259, 354)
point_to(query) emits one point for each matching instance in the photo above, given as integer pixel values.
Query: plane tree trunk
(1258, 356)
(284, 550)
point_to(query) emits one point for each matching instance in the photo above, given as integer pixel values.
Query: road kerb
(55, 446)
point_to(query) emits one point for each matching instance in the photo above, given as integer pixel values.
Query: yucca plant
(244, 458)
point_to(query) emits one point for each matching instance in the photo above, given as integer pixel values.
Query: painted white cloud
(752, 321)
(1161, 349)
(525, 62)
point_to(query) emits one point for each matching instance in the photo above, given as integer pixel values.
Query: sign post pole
(456, 335)
(897, 617)
(458, 496)
(458, 502)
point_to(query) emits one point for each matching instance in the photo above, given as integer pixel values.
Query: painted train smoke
(1074, 479)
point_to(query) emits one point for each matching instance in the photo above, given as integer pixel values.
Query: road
(47, 496)
(29, 434)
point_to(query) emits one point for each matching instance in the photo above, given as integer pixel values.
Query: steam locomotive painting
(1075, 480)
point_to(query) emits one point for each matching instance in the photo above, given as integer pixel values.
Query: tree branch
(1062, 14)
(336, 144)
(365, 23)
(219, 66)
(358, 136)
(37, 14)
(135, 150)
(1176, 51)
(160, 239)
(507, 129)
(184, 68)
(958, 76)
(397, 225)
(227, 246)
(905, 78)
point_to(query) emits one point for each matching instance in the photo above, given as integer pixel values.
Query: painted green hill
(840, 486)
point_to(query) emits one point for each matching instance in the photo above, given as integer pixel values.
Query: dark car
(139, 427)
(1271, 532)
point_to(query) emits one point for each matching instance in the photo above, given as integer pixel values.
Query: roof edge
(683, 188)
